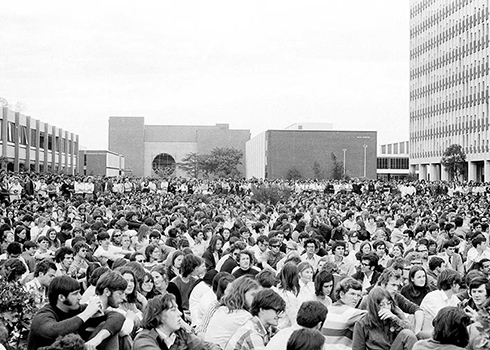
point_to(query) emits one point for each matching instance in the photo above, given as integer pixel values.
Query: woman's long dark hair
(289, 278)
(376, 296)
(413, 290)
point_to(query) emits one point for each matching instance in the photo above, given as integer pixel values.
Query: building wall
(449, 92)
(177, 150)
(223, 137)
(101, 162)
(31, 145)
(256, 157)
(140, 143)
(126, 137)
(300, 149)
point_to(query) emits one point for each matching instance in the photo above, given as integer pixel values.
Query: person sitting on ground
(267, 308)
(311, 315)
(306, 339)
(383, 327)
(450, 331)
(63, 315)
(448, 284)
(162, 328)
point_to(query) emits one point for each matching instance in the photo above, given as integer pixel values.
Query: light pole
(344, 150)
(365, 147)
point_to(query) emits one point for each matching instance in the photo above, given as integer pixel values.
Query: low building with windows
(393, 161)
(101, 162)
(29, 144)
(149, 150)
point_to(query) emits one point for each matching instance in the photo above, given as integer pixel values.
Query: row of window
(465, 127)
(467, 150)
(473, 45)
(392, 163)
(449, 106)
(50, 143)
(448, 83)
(449, 59)
(441, 14)
(393, 148)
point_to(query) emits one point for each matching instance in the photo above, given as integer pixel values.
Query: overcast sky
(256, 65)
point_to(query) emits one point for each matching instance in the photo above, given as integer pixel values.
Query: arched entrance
(163, 165)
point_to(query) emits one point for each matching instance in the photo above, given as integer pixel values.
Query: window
(23, 135)
(382, 163)
(41, 140)
(33, 138)
(11, 132)
(50, 142)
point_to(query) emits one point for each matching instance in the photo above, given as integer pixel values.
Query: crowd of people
(140, 263)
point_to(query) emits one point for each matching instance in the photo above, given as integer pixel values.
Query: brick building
(273, 153)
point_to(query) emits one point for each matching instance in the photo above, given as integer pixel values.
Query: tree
(192, 164)
(338, 167)
(294, 174)
(454, 160)
(222, 162)
(317, 170)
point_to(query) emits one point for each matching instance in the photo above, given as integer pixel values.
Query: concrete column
(434, 172)
(423, 172)
(471, 171)
(38, 128)
(46, 150)
(29, 144)
(4, 130)
(16, 142)
(444, 174)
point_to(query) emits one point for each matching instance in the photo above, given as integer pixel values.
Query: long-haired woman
(288, 288)
(213, 253)
(323, 287)
(233, 312)
(418, 285)
(307, 287)
(383, 327)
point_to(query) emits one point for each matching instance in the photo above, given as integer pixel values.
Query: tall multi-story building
(28, 144)
(449, 85)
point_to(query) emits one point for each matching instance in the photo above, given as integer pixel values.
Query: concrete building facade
(393, 161)
(100, 162)
(28, 144)
(274, 153)
(149, 147)
(449, 85)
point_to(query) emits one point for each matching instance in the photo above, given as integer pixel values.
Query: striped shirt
(339, 325)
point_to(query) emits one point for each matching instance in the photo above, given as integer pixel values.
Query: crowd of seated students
(132, 263)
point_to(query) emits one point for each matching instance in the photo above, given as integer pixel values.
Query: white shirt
(433, 303)
(196, 295)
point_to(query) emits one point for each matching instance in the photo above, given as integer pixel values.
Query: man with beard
(64, 315)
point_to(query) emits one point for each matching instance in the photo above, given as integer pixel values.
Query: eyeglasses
(117, 236)
(275, 246)
(140, 260)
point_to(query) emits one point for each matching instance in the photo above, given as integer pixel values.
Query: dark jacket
(150, 340)
(359, 275)
(50, 322)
